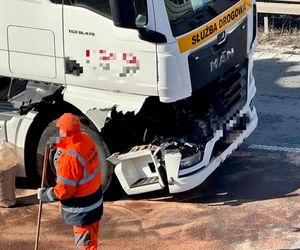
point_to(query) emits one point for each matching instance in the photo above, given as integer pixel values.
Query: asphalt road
(251, 202)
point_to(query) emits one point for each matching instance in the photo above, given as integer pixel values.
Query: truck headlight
(191, 155)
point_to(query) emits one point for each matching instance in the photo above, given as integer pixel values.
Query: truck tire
(103, 152)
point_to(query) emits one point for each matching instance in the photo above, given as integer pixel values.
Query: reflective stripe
(50, 194)
(67, 181)
(83, 209)
(80, 158)
(82, 239)
(90, 177)
(81, 182)
(86, 176)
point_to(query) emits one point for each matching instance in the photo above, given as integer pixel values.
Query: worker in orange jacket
(79, 182)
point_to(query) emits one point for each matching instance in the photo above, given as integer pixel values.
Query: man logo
(221, 38)
(225, 56)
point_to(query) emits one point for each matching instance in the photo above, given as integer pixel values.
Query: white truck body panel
(32, 44)
(20, 53)
(129, 68)
(16, 131)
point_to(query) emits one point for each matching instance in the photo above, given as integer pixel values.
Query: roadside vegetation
(284, 32)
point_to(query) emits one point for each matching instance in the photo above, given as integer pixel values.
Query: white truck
(165, 87)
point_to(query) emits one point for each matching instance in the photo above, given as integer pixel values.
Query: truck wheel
(103, 152)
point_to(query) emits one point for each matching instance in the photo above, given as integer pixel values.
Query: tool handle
(38, 225)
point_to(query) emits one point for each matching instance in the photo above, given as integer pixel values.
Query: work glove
(40, 192)
(46, 194)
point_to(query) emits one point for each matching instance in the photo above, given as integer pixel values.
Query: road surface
(251, 202)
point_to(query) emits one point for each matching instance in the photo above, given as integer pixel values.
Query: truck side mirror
(123, 13)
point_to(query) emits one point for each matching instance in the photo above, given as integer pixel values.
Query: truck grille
(229, 93)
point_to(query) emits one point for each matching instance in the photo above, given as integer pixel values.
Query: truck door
(31, 40)
(102, 56)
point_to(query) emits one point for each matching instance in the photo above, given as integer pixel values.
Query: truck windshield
(186, 15)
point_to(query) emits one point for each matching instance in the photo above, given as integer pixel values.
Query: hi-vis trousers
(86, 237)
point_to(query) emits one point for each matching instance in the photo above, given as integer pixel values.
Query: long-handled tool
(45, 164)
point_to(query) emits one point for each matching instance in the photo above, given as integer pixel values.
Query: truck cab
(165, 87)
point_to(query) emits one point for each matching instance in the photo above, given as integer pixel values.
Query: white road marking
(274, 148)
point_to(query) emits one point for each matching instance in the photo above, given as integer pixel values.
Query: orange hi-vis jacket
(79, 181)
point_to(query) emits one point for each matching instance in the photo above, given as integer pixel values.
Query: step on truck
(164, 87)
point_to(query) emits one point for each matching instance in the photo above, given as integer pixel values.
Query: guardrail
(289, 7)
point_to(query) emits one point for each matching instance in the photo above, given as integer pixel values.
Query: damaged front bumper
(144, 169)
(183, 180)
